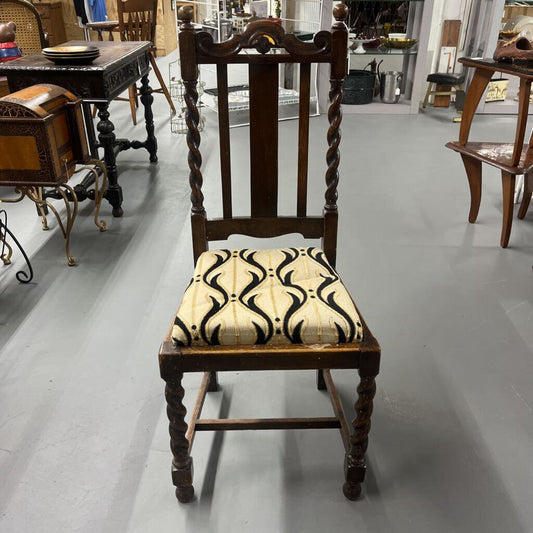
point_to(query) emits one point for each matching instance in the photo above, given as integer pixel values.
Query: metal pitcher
(389, 88)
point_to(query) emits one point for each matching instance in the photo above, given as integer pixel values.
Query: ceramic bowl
(403, 44)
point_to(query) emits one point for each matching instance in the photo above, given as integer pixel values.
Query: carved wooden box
(42, 136)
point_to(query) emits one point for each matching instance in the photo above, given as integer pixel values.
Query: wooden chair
(30, 36)
(278, 309)
(137, 22)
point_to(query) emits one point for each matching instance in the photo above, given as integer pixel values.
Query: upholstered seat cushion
(245, 297)
(448, 78)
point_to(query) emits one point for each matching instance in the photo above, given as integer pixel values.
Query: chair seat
(234, 292)
(446, 78)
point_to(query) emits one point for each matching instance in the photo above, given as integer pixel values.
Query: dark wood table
(512, 158)
(119, 65)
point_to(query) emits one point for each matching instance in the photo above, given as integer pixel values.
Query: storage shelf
(386, 52)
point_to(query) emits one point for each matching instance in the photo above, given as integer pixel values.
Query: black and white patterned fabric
(281, 296)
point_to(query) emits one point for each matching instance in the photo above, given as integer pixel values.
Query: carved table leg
(354, 462)
(107, 140)
(182, 468)
(147, 99)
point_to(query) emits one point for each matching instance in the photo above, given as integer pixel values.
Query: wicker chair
(29, 33)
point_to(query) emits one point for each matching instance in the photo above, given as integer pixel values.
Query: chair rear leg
(526, 196)
(162, 83)
(132, 97)
(320, 383)
(354, 462)
(182, 467)
(473, 173)
(213, 382)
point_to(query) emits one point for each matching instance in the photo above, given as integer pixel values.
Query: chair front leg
(182, 466)
(473, 173)
(354, 462)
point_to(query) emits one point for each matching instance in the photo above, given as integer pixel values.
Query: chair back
(264, 46)
(29, 34)
(137, 20)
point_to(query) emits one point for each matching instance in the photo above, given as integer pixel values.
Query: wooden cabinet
(52, 20)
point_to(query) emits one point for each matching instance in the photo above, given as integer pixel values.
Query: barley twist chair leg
(182, 467)
(354, 463)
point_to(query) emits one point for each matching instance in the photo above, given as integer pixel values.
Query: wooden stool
(452, 80)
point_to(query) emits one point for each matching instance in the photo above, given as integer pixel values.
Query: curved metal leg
(20, 275)
(33, 194)
(99, 190)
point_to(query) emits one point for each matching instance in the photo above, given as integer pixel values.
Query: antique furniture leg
(508, 182)
(182, 467)
(147, 99)
(107, 141)
(526, 196)
(354, 462)
(161, 81)
(151, 142)
(6, 258)
(34, 194)
(320, 382)
(473, 173)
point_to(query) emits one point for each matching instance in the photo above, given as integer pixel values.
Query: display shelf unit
(411, 62)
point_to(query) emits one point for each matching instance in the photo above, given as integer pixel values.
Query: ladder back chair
(277, 309)
(137, 21)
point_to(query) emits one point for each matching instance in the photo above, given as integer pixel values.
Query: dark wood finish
(526, 198)
(511, 158)
(119, 65)
(224, 136)
(303, 139)
(52, 19)
(263, 81)
(42, 136)
(237, 424)
(263, 222)
(337, 408)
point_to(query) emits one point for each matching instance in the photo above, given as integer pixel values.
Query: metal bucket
(359, 87)
(389, 89)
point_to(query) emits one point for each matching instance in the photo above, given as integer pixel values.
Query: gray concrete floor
(83, 429)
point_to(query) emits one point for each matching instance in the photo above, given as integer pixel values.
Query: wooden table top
(118, 66)
(523, 71)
